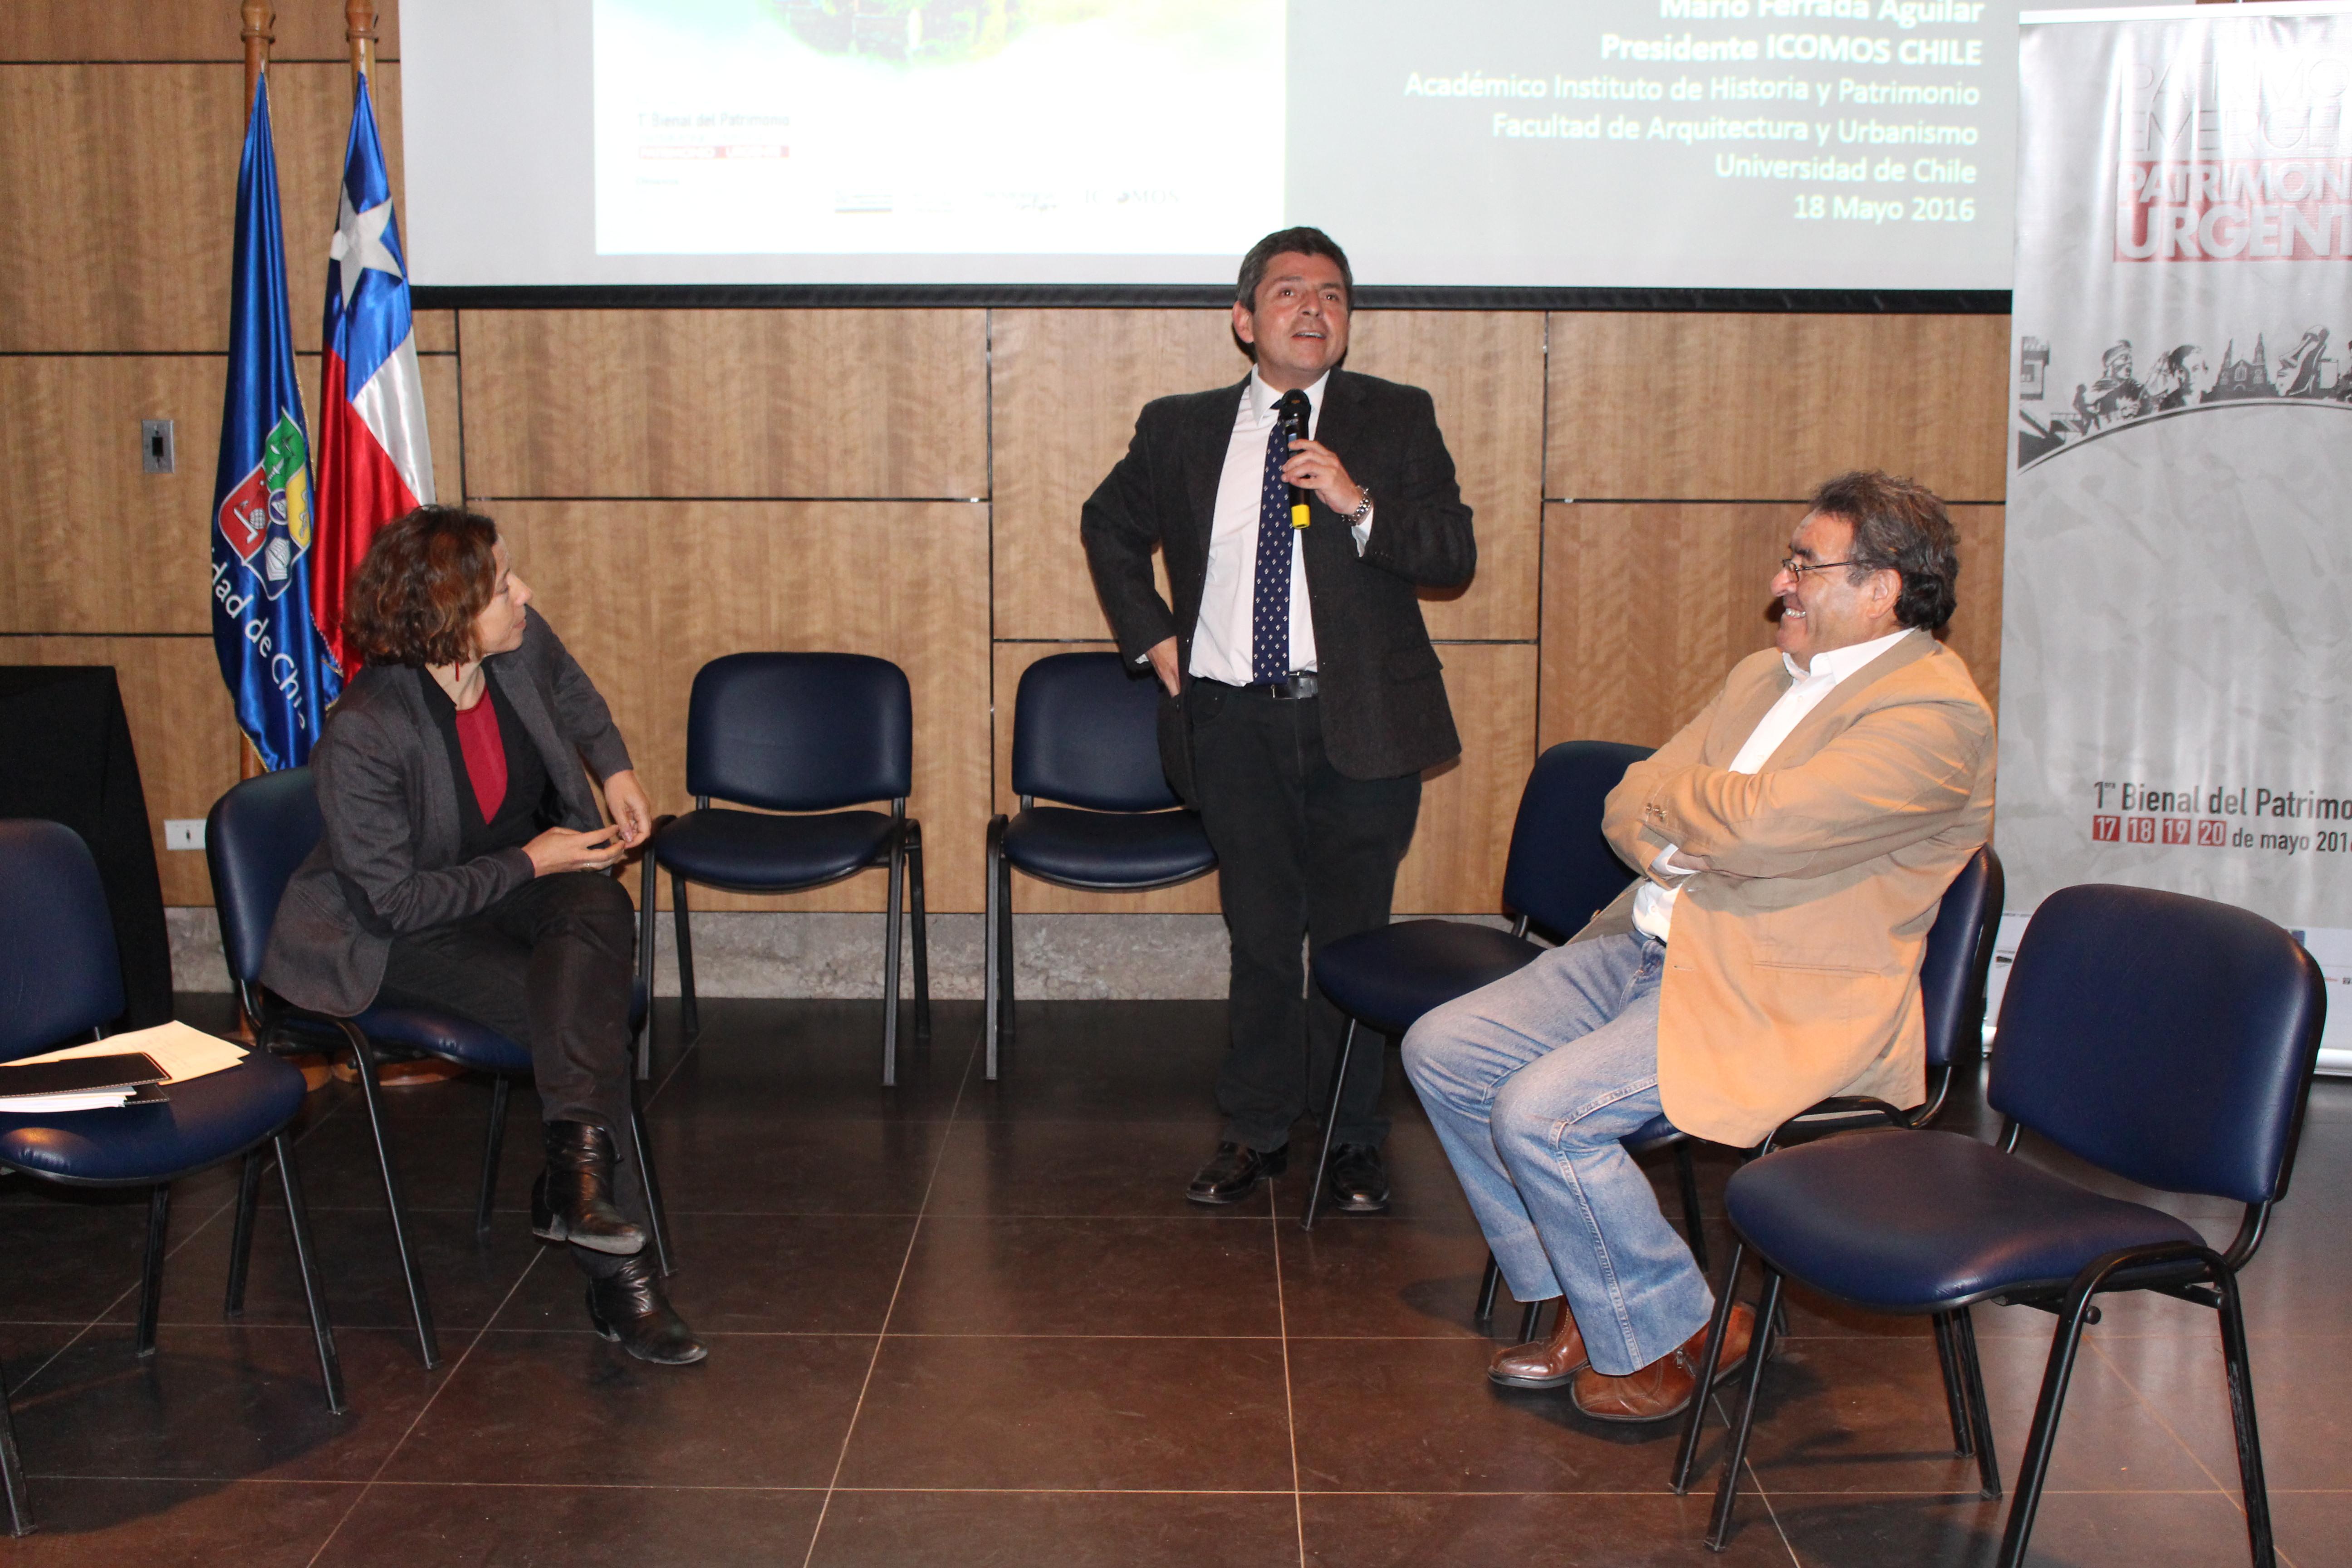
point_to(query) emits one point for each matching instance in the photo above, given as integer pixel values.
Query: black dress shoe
(1234, 1173)
(572, 1199)
(1360, 1183)
(628, 1308)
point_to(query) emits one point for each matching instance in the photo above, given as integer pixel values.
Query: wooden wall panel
(1485, 371)
(120, 198)
(1646, 608)
(1029, 895)
(647, 593)
(89, 542)
(1739, 407)
(1635, 664)
(767, 404)
(180, 726)
(1456, 865)
(1065, 388)
(178, 30)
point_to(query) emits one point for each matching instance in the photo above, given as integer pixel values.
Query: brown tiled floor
(977, 1323)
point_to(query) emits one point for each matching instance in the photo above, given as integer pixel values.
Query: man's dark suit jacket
(1384, 700)
(388, 863)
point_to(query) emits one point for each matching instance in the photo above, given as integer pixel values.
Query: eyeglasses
(1797, 569)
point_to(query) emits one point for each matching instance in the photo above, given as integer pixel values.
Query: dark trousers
(1305, 853)
(547, 966)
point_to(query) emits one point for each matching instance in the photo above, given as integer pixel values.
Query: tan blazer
(1794, 970)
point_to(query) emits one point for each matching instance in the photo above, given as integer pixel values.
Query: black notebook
(79, 1075)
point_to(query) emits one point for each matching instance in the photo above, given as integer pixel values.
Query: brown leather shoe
(1663, 1388)
(1542, 1363)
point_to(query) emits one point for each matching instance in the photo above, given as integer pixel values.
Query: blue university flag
(270, 654)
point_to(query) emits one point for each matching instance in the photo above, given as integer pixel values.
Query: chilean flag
(374, 462)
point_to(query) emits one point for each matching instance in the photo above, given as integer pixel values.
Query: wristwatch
(1364, 507)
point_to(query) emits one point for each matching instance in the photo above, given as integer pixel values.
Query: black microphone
(1291, 409)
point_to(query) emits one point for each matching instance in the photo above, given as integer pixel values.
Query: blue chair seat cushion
(750, 851)
(205, 1121)
(1906, 1221)
(1657, 1133)
(1109, 849)
(1390, 977)
(450, 1036)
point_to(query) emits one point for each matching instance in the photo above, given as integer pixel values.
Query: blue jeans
(1531, 1083)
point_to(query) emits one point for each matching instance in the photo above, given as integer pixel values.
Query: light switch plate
(183, 833)
(155, 453)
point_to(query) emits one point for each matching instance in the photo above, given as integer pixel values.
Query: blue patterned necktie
(1270, 610)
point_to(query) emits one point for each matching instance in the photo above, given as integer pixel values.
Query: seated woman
(465, 867)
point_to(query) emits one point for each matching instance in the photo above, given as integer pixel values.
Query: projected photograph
(1107, 127)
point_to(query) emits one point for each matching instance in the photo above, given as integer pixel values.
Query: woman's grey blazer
(388, 862)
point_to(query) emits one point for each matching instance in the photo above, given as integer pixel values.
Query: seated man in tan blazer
(1795, 841)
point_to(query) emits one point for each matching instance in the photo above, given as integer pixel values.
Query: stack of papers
(168, 1054)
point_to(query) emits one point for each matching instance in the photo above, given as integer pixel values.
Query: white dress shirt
(1222, 643)
(1653, 904)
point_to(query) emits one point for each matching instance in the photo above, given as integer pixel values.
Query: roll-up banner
(2177, 592)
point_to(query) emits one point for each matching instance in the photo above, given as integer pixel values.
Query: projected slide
(1577, 144)
(1024, 126)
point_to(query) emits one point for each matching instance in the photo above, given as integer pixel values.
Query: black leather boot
(572, 1199)
(628, 1308)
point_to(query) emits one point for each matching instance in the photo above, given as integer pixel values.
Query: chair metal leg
(240, 1240)
(2241, 1373)
(1687, 1459)
(306, 1260)
(1531, 1321)
(372, 1094)
(989, 939)
(642, 1046)
(1330, 1129)
(11, 1470)
(2034, 1468)
(1955, 1399)
(150, 1275)
(890, 913)
(1693, 1226)
(1489, 1283)
(491, 1146)
(1004, 952)
(1964, 1352)
(921, 931)
(656, 1219)
(1734, 1455)
(689, 1019)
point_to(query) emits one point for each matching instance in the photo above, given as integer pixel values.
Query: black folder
(79, 1075)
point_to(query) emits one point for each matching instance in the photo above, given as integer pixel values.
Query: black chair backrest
(1959, 953)
(800, 732)
(255, 838)
(59, 975)
(1561, 872)
(1087, 732)
(2168, 1039)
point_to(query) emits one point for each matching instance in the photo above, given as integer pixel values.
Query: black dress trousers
(1305, 855)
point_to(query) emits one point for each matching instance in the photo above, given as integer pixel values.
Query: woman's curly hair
(426, 579)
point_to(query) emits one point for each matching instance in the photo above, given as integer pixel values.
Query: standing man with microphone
(1297, 511)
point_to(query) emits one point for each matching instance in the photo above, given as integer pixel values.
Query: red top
(486, 754)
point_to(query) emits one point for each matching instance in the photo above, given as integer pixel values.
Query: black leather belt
(1294, 689)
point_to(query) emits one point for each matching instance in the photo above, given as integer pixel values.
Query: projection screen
(1808, 144)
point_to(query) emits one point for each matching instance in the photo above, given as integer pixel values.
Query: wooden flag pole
(258, 35)
(258, 39)
(359, 29)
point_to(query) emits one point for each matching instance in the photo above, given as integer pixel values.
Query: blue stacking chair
(62, 979)
(808, 733)
(256, 836)
(2166, 1039)
(1085, 732)
(1559, 873)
